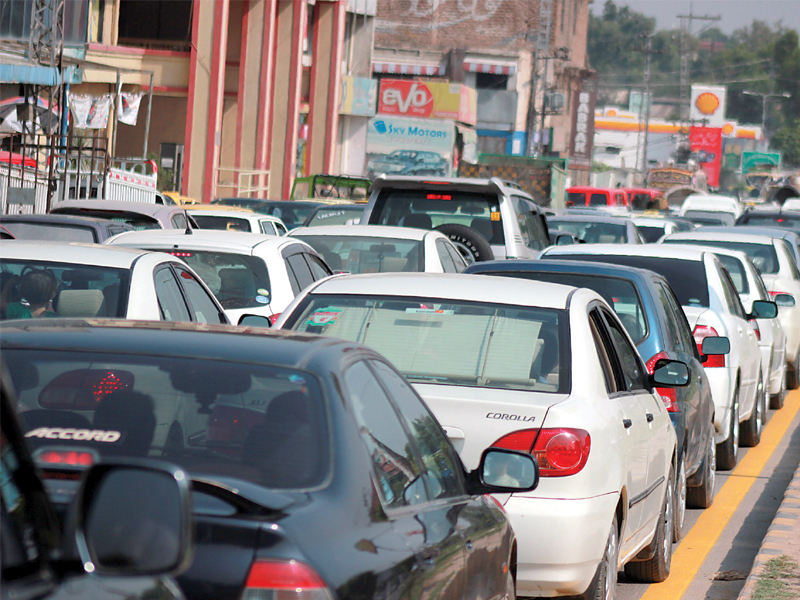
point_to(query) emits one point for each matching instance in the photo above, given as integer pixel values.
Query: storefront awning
(496, 68)
(397, 68)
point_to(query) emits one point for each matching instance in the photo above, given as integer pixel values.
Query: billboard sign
(708, 105)
(707, 143)
(582, 136)
(400, 146)
(428, 100)
(358, 96)
(761, 161)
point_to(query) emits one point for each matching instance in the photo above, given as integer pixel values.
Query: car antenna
(188, 224)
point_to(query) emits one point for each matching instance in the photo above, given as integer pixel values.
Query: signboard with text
(428, 100)
(582, 137)
(400, 146)
(707, 143)
(358, 96)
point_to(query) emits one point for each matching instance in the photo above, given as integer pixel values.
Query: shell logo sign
(708, 105)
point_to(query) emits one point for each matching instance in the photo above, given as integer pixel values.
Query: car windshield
(357, 254)
(592, 233)
(427, 209)
(60, 232)
(237, 280)
(221, 223)
(737, 272)
(334, 216)
(450, 342)
(763, 256)
(50, 289)
(255, 422)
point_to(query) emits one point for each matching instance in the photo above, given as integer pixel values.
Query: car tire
(679, 508)
(751, 429)
(657, 568)
(470, 243)
(604, 583)
(703, 495)
(727, 450)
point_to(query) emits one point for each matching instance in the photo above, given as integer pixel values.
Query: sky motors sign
(582, 139)
(428, 100)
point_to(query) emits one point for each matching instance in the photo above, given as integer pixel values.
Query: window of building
(491, 81)
(155, 23)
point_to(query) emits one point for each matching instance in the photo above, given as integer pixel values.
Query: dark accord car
(317, 471)
(130, 525)
(652, 316)
(62, 228)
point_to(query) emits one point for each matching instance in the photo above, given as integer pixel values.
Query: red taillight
(65, 458)
(756, 329)
(558, 451)
(700, 333)
(650, 365)
(521, 441)
(274, 319)
(284, 580)
(668, 395)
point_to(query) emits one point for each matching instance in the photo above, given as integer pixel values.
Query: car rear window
(763, 256)
(237, 280)
(784, 219)
(450, 342)
(222, 223)
(367, 254)
(334, 216)
(592, 233)
(77, 290)
(700, 217)
(577, 198)
(686, 277)
(598, 200)
(260, 423)
(51, 231)
(426, 209)
(135, 220)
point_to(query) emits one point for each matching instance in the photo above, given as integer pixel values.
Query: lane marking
(693, 549)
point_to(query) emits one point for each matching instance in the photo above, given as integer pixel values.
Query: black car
(129, 526)
(316, 468)
(788, 219)
(652, 316)
(63, 228)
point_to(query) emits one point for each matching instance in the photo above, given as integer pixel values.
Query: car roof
(372, 231)
(751, 238)
(72, 252)
(210, 239)
(159, 338)
(562, 266)
(144, 208)
(654, 250)
(450, 286)
(763, 231)
(463, 183)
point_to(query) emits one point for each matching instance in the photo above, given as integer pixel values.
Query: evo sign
(428, 100)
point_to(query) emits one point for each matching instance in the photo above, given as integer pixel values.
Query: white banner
(90, 112)
(128, 109)
(708, 106)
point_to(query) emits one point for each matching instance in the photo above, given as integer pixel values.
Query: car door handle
(627, 423)
(649, 418)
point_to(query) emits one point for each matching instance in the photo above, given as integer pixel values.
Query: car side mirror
(671, 373)
(255, 321)
(504, 471)
(764, 309)
(785, 300)
(134, 517)
(715, 345)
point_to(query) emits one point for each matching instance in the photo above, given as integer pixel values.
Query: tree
(787, 141)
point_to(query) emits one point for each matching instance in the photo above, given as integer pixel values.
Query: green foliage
(777, 581)
(787, 141)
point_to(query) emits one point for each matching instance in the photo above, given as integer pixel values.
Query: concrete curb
(778, 534)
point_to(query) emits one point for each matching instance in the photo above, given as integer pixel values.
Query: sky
(734, 13)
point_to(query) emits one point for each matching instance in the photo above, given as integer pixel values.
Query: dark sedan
(317, 470)
(652, 316)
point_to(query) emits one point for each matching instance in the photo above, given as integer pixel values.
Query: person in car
(36, 291)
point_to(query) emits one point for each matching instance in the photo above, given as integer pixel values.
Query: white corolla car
(774, 258)
(713, 309)
(253, 276)
(382, 249)
(540, 368)
(89, 280)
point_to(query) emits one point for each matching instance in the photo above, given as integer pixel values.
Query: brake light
(284, 580)
(65, 458)
(700, 333)
(668, 395)
(558, 451)
(439, 197)
(756, 329)
(522, 440)
(274, 319)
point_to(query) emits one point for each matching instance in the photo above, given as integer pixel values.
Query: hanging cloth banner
(128, 109)
(91, 112)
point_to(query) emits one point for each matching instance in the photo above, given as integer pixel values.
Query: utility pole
(645, 105)
(540, 48)
(764, 96)
(686, 33)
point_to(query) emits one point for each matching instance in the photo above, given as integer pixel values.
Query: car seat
(236, 284)
(491, 230)
(80, 303)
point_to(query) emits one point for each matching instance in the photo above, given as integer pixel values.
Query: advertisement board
(358, 96)
(582, 136)
(707, 106)
(400, 146)
(761, 161)
(707, 143)
(428, 100)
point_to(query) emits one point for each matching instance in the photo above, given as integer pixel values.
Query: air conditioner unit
(554, 102)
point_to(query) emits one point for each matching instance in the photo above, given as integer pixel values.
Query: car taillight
(65, 458)
(284, 580)
(700, 333)
(274, 319)
(559, 451)
(756, 329)
(668, 395)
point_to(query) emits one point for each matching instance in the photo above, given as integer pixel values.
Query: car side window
(597, 327)
(318, 269)
(178, 221)
(458, 260)
(267, 227)
(731, 296)
(533, 230)
(395, 464)
(790, 257)
(677, 325)
(280, 229)
(301, 270)
(441, 466)
(170, 300)
(632, 370)
(205, 311)
(447, 262)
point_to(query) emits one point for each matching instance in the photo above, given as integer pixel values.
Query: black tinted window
(301, 270)
(50, 231)
(170, 300)
(632, 370)
(650, 233)
(763, 255)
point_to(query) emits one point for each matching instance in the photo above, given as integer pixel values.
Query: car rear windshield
(577, 198)
(222, 223)
(450, 342)
(785, 219)
(651, 233)
(237, 280)
(136, 220)
(763, 256)
(60, 232)
(334, 216)
(259, 423)
(426, 209)
(598, 200)
(686, 277)
(75, 290)
(700, 217)
(592, 233)
(357, 254)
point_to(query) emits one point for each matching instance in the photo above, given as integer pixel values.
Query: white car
(773, 257)
(537, 367)
(381, 249)
(89, 280)
(711, 209)
(236, 219)
(251, 274)
(653, 227)
(713, 309)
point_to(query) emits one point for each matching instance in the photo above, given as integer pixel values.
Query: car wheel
(679, 510)
(703, 495)
(604, 584)
(751, 429)
(656, 569)
(471, 244)
(727, 450)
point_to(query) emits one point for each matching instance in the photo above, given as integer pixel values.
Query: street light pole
(764, 96)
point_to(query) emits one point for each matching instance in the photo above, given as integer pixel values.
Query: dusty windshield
(356, 254)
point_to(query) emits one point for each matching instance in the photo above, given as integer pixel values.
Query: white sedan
(89, 280)
(381, 249)
(541, 368)
(252, 275)
(231, 218)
